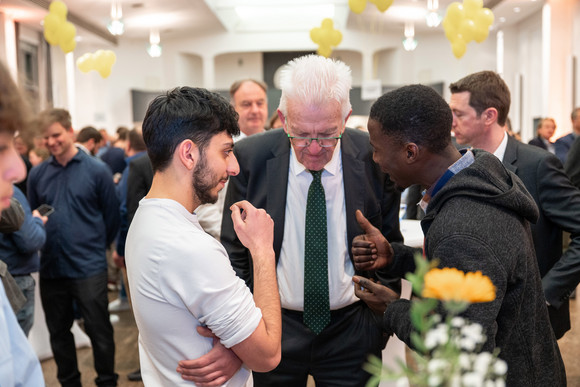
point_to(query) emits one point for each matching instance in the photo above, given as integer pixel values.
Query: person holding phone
(74, 262)
(19, 250)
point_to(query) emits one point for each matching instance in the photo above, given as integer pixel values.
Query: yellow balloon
(68, 45)
(472, 7)
(336, 37)
(455, 13)
(450, 29)
(51, 27)
(382, 5)
(481, 33)
(458, 47)
(315, 34)
(467, 28)
(484, 17)
(59, 9)
(66, 32)
(357, 6)
(327, 24)
(85, 63)
(324, 51)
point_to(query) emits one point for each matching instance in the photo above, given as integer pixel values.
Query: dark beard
(203, 182)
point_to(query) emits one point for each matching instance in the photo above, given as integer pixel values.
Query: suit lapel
(277, 177)
(510, 156)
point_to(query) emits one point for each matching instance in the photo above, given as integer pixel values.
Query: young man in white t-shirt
(180, 277)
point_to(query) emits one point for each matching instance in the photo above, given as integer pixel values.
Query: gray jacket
(480, 221)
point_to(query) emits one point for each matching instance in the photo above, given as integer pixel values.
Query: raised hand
(253, 226)
(370, 250)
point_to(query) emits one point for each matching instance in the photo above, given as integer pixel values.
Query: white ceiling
(179, 18)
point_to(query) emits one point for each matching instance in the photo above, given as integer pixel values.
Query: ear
(489, 116)
(282, 120)
(346, 118)
(187, 153)
(412, 150)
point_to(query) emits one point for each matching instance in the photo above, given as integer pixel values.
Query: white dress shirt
(290, 269)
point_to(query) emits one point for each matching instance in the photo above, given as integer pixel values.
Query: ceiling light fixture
(116, 25)
(433, 18)
(410, 43)
(154, 47)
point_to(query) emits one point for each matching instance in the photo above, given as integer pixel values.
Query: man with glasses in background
(311, 188)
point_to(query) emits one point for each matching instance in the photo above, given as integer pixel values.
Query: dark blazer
(263, 179)
(138, 183)
(572, 166)
(537, 141)
(559, 204)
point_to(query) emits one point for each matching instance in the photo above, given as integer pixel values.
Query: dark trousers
(90, 295)
(334, 357)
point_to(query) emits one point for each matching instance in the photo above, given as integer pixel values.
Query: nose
(454, 122)
(233, 168)
(314, 147)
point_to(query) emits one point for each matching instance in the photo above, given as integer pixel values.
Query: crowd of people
(278, 252)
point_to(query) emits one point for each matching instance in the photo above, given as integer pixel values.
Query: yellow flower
(451, 284)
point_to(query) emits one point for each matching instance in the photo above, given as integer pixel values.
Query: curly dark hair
(185, 113)
(415, 113)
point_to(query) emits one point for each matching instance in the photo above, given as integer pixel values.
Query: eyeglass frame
(317, 139)
(310, 139)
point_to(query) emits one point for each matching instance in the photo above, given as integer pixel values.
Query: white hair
(313, 80)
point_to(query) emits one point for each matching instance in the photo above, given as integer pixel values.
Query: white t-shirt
(180, 278)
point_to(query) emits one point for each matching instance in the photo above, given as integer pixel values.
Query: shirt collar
(500, 151)
(332, 167)
(465, 161)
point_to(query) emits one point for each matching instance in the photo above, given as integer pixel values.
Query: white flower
(500, 367)
(467, 343)
(489, 383)
(473, 331)
(500, 383)
(437, 336)
(472, 379)
(435, 380)
(436, 365)
(482, 362)
(464, 361)
(457, 322)
(455, 381)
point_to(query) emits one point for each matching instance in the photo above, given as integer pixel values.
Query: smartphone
(45, 209)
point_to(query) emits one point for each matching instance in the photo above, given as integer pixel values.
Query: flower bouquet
(448, 348)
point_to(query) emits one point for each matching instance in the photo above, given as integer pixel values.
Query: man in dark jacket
(480, 103)
(477, 219)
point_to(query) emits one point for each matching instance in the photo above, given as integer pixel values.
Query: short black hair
(185, 113)
(415, 113)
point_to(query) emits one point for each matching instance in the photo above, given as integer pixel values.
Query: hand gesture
(370, 250)
(253, 226)
(36, 214)
(212, 369)
(375, 295)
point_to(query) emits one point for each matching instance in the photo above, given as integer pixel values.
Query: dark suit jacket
(537, 141)
(559, 204)
(572, 166)
(263, 179)
(138, 183)
(562, 146)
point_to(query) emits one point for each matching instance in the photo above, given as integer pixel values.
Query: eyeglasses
(324, 142)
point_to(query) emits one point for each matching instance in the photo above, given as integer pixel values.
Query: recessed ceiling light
(502, 19)
(517, 9)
